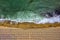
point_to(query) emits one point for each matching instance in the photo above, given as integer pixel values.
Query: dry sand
(52, 33)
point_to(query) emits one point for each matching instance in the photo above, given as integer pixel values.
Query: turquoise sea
(27, 10)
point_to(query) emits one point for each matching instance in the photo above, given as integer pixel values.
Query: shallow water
(28, 10)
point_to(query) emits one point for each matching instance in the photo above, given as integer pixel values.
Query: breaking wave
(29, 16)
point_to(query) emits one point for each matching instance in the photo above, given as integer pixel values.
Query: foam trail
(45, 20)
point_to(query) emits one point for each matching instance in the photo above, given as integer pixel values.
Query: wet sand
(26, 25)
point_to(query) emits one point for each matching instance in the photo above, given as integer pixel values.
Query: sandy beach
(52, 33)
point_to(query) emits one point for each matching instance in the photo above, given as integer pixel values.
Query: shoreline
(27, 25)
(45, 23)
(36, 21)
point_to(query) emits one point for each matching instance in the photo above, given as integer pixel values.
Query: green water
(26, 9)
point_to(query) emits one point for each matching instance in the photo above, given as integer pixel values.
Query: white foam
(45, 20)
(50, 20)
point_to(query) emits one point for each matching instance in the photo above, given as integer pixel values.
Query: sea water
(28, 10)
(31, 17)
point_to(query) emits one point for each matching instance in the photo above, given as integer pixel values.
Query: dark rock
(57, 11)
